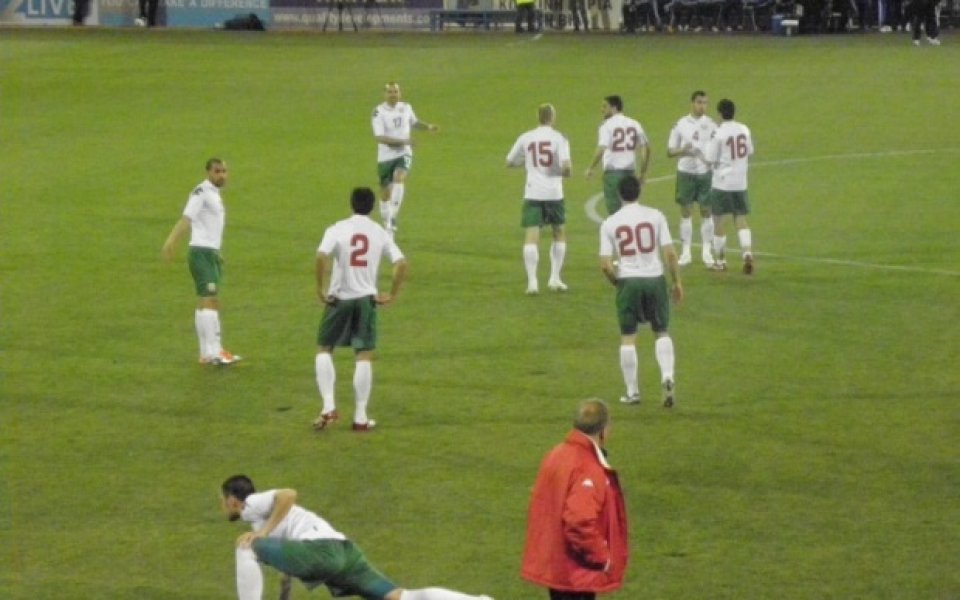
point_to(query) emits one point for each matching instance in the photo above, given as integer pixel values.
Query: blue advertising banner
(41, 12)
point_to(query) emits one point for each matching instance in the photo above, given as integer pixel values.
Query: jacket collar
(578, 438)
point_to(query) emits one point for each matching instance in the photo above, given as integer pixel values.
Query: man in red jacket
(577, 522)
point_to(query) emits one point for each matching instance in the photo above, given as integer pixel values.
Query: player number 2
(640, 239)
(541, 153)
(737, 146)
(359, 244)
(624, 139)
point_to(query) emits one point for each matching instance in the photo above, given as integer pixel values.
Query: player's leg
(719, 204)
(397, 189)
(706, 218)
(656, 310)
(531, 220)
(556, 217)
(626, 307)
(385, 175)
(740, 211)
(685, 195)
(249, 575)
(205, 268)
(611, 195)
(333, 329)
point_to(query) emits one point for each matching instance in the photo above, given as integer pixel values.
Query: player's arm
(423, 126)
(283, 501)
(320, 273)
(179, 230)
(643, 161)
(597, 157)
(609, 269)
(397, 278)
(673, 269)
(566, 164)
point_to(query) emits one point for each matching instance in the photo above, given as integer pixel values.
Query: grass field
(814, 450)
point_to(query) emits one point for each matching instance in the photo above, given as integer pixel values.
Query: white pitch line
(590, 207)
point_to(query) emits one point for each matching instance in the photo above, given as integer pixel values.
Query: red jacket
(577, 521)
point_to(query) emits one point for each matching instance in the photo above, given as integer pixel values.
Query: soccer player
(204, 216)
(351, 250)
(546, 154)
(300, 544)
(393, 122)
(622, 146)
(688, 140)
(729, 154)
(635, 237)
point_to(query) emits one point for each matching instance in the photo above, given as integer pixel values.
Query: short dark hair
(592, 416)
(615, 101)
(726, 109)
(213, 161)
(362, 200)
(697, 94)
(238, 486)
(629, 188)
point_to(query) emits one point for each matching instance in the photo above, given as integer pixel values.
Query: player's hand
(589, 173)
(433, 128)
(677, 293)
(384, 299)
(245, 540)
(167, 252)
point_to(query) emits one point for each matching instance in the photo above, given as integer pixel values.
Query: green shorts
(643, 300)
(611, 193)
(540, 213)
(693, 188)
(350, 323)
(338, 564)
(725, 203)
(385, 169)
(206, 269)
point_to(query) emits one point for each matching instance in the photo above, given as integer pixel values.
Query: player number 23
(640, 239)
(624, 139)
(359, 245)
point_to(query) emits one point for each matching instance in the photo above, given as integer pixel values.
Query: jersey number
(359, 245)
(737, 146)
(641, 239)
(541, 153)
(624, 139)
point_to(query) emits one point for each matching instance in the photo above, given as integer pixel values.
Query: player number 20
(359, 245)
(641, 239)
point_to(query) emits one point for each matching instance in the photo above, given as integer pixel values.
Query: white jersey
(207, 216)
(356, 244)
(698, 132)
(729, 150)
(634, 236)
(544, 150)
(396, 122)
(299, 524)
(620, 136)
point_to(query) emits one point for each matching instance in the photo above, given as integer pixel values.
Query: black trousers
(80, 10)
(925, 11)
(148, 11)
(556, 595)
(526, 12)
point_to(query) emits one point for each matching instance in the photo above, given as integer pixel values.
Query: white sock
(362, 382)
(385, 213)
(746, 241)
(436, 594)
(326, 378)
(558, 250)
(706, 232)
(201, 333)
(686, 233)
(663, 349)
(531, 256)
(396, 198)
(719, 245)
(249, 575)
(210, 321)
(628, 365)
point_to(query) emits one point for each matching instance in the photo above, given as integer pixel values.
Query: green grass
(813, 454)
